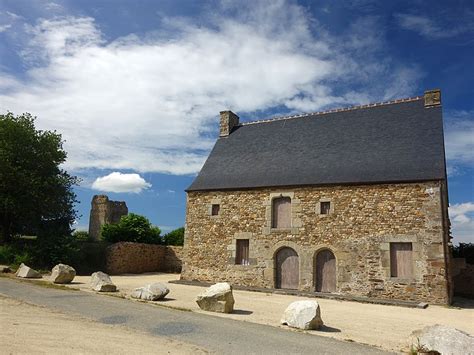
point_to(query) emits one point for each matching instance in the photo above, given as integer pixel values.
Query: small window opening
(242, 252)
(215, 210)
(325, 207)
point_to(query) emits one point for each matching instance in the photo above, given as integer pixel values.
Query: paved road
(224, 336)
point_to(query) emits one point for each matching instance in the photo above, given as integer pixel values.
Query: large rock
(101, 282)
(151, 292)
(303, 315)
(62, 274)
(217, 298)
(5, 268)
(27, 272)
(443, 339)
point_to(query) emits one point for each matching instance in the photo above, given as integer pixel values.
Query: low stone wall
(136, 258)
(173, 259)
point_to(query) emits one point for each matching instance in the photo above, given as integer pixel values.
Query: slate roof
(390, 142)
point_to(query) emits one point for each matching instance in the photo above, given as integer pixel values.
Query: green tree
(34, 191)
(132, 228)
(175, 237)
(82, 236)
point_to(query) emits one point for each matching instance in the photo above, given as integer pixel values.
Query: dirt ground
(30, 329)
(387, 327)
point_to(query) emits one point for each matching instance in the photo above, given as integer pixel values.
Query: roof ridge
(343, 109)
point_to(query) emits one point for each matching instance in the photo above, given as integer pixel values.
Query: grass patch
(37, 282)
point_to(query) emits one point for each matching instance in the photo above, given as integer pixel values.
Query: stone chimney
(228, 121)
(433, 98)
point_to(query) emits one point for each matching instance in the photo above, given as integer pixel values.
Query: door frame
(315, 265)
(275, 265)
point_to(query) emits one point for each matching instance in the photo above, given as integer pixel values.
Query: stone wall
(172, 259)
(359, 230)
(136, 258)
(104, 211)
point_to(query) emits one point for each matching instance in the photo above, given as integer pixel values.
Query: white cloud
(118, 182)
(431, 29)
(7, 20)
(462, 219)
(148, 103)
(3, 28)
(459, 139)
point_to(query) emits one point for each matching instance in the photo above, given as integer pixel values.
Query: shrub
(7, 254)
(90, 257)
(175, 237)
(55, 244)
(82, 236)
(132, 228)
(464, 250)
(15, 254)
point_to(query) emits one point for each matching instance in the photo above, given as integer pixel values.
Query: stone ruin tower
(104, 211)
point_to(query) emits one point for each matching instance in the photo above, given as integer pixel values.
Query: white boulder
(303, 315)
(151, 292)
(27, 272)
(217, 298)
(102, 282)
(445, 340)
(62, 274)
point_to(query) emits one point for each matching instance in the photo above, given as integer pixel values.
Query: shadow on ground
(241, 311)
(461, 302)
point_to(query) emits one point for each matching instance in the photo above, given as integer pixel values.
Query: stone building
(104, 211)
(349, 201)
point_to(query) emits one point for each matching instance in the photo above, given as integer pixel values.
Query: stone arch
(270, 261)
(287, 268)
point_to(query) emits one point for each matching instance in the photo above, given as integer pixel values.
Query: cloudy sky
(135, 87)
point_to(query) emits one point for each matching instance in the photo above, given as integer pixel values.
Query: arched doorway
(287, 268)
(325, 271)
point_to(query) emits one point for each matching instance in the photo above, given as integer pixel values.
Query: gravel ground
(386, 327)
(30, 329)
(203, 331)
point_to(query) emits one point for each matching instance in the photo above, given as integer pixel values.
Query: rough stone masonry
(350, 202)
(104, 211)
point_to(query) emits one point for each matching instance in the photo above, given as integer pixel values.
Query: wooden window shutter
(281, 212)
(401, 260)
(242, 252)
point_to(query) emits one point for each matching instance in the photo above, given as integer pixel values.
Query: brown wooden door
(287, 269)
(325, 271)
(401, 260)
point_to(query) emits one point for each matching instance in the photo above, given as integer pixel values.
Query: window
(215, 210)
(401, 260)
(281, 212)
(242, 252)
(325, 207)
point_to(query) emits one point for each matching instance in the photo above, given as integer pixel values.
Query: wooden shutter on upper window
(281, 212)
(401, 260)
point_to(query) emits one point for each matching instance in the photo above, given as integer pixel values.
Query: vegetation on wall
(132, 228)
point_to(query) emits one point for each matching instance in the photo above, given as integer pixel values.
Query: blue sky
(135, 87)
